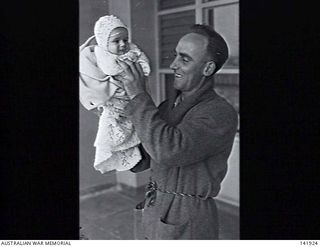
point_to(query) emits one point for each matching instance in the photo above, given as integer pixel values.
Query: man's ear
(209, 68)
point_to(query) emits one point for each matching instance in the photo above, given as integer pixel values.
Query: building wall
(89, 12)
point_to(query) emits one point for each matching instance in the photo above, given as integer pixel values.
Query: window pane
(167, 4)
(171, 28)
(225, 20)
(227, 85)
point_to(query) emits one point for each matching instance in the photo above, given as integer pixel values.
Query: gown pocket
(170, 231)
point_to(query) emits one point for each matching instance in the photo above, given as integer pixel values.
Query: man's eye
(185, 60)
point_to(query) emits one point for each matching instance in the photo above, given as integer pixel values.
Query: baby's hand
(129, 56)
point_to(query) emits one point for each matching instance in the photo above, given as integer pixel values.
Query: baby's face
(118, 41)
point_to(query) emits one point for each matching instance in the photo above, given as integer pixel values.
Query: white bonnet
(103, 28)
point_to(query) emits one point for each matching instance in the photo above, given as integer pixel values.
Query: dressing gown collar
(175, 114)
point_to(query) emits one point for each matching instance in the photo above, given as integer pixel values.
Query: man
(188, 139)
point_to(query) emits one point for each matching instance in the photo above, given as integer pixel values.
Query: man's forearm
(198, 136)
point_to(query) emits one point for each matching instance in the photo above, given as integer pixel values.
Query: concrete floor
(108, 215)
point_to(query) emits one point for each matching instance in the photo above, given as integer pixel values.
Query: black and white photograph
(159, 133)
(121, 121)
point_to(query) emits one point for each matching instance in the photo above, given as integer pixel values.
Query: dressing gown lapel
(174, 115)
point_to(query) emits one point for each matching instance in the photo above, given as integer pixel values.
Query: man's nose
(173, 65)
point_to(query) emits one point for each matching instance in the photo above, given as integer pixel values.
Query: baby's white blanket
(116, 141)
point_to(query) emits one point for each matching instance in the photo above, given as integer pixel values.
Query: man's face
(191, 56)
(118, 41)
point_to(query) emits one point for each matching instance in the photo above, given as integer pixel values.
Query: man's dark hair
(217, 46)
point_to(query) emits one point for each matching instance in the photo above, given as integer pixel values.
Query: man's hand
(132, 78)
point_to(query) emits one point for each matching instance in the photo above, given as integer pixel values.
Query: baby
(116, 141)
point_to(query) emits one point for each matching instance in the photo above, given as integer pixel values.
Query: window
(225, 20)
(172, 28)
